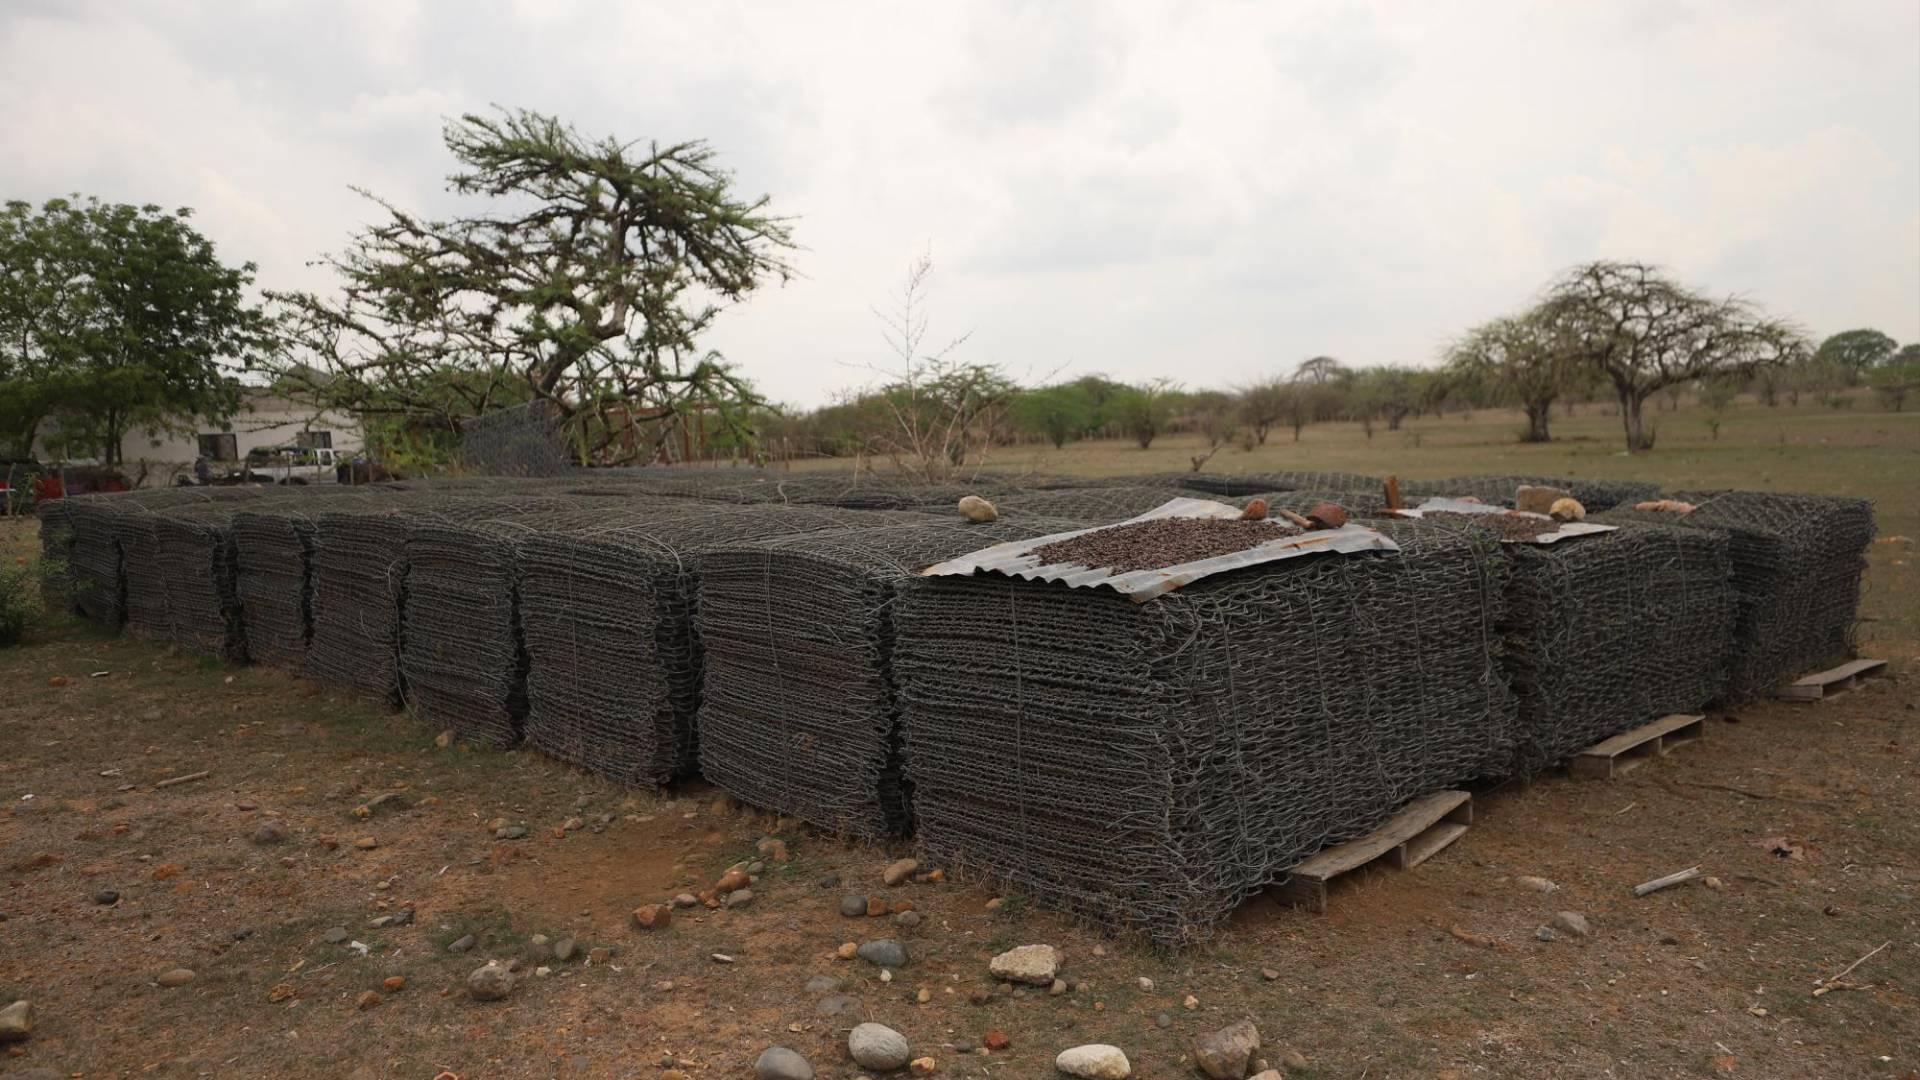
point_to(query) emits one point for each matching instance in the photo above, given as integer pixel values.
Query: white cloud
(1207, 191)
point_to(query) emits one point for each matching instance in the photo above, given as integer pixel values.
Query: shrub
(19, 600)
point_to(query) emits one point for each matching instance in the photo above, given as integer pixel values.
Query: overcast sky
(1207, 191)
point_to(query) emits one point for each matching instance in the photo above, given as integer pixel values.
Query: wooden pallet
(1408, 839)
(1629, 750)
(1832, 682)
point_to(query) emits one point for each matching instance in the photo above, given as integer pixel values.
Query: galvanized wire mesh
(194, 555)
(525, 440)
(273, 548)
(1594, 495)
(1149, 765)
(1606, 632)
(359, 574)
(1797, 564)
(607, 612)
(56, 553)
(797, 711)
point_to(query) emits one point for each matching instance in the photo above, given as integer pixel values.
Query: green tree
(586, 277)
(1517, 359)
(116, 318)
(1263, 407)
(1389, 392)
(1144, 411)
(1896, 381)
(1058, 414)
(1645, 332)
(1853, 353)
(1717, 397)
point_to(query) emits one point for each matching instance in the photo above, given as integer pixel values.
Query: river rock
(1571, 922)
(878, 1047)
(899, 871)
(1225, 1054)
(853, 905)
(1035, 965)
(884, 953)
(1094, 1061)
(490, 983)
(16, 1022)
(780, 1063)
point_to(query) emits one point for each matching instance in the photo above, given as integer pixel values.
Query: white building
(265, 420)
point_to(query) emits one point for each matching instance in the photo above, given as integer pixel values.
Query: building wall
(271, 423)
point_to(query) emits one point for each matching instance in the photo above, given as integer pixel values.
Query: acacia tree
(1646, 332)
(1853, 353)
(584, 278)
(116, 318)
(1263, 405)
(1144, 411)
(1520, 359)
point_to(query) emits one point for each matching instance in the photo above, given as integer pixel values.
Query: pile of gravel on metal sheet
(1148, 766)
(1594, 495)
(1258, 482)
(1797, 564)
(797, 712)
(613, 661)
(1160, 542)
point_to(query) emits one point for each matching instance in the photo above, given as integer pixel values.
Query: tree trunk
(1296, 430)
(1538, 413)
(1630, 416)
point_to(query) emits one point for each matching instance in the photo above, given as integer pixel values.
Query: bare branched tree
(1646, 332)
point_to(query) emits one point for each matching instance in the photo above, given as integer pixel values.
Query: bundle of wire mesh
(1594, 495)
(99, 587)
(144, 575)
(1147, 766)
(193, 554)
(56, 553)
(1797, 563)
(525, 440)
(613, 658)
(797, 711)
(1257, 483)
(273, 546)
(1610, 631)
(358, 578)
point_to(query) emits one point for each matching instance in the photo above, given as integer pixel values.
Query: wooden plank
(1836, 680)
(1414, 835)
(1627, 740)
(1428, 844)
(1628, 750)
(1419, 816)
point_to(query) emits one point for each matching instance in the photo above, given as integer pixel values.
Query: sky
(1210, 192)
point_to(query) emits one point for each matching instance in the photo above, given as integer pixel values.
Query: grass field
(1803, 815)
(1856, 451)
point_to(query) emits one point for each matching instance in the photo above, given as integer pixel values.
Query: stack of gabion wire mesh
(56, 553)
(1259, 483)
(1149, 765)
(1797, 563)
(525, 440)
(1594, 495)
(273, 546)
(98, 580)
(131, 519)
(359, 571)
(194, 553)
(607, 612)
(1609, 631)
(797, 711)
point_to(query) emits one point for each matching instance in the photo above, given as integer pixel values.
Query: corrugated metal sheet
(1016, 559)
(1465, 506)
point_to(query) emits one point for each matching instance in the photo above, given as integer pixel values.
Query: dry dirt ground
(1804, 814)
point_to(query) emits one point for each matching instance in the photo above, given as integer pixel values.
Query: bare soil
(1803, 813)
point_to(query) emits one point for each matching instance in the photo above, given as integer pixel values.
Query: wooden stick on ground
(1670, 880)
(1830, 980)
(170, 781)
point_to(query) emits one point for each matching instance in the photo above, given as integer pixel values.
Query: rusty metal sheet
(1466, 506)
(1016, 559)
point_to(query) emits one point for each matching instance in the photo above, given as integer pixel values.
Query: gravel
(1150, 545)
